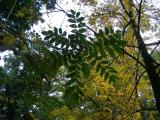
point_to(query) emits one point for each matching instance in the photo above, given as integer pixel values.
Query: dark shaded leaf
(117, 49)
(86, 69)
(99, 58)
(82, 30)
(110, 51)
(55, 30)
(70, 15)
(106, 76)
(69, 91)
(74, 31)
(73, 12)
(106, 30)
(70, 75)
(45, 33)
(112, 70)
(81, 25)
(101, 32)
(70, 81)
(79, 91)
(73, 25)
(60, 30)
(71, 20)
(80, 19)
(104, 61)
(77, 14)
(98, 67)
(71, 97)
(111, 30)
(103, 69)
(48, 37)
(93, 62)
(113, 78)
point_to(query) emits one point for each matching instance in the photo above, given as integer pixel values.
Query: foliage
(73, 75)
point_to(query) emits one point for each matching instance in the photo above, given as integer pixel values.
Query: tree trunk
(149, 64)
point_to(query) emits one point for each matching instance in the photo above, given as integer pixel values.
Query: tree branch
(137, 82)
(153, 43)
(124, 8)
(139, 15)
(132, 46)
(10, 12)
(8, 47)
(134, 59)
(124, 28)
(145, 109)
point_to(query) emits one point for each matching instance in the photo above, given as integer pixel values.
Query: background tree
(131, 16)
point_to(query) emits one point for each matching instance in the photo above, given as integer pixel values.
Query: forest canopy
(104, 66)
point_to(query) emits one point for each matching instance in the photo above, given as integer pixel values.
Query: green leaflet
(70, 16)
(86, 69)
(106, 76)
(73, 12)
(71, 97)
(80, 19)
(78, 14)
(113, 78)
(82, 30)
(111, 51)
(81, 25)
(73, 26)
(71, 20)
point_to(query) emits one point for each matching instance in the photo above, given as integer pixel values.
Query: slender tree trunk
(148, 60)
(149, 64)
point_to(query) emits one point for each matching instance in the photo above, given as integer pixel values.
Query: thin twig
(128, 83)
(10, 12)
(132, 46)
(139, 14)
(154, 49)
(63, 21)
(134, 5)
(125, 26)
(145, 109)
(67, 14)
(124, 8)
(51, 11)
(134, 59)
(113, 61)
(136, 84)
(153, 43)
